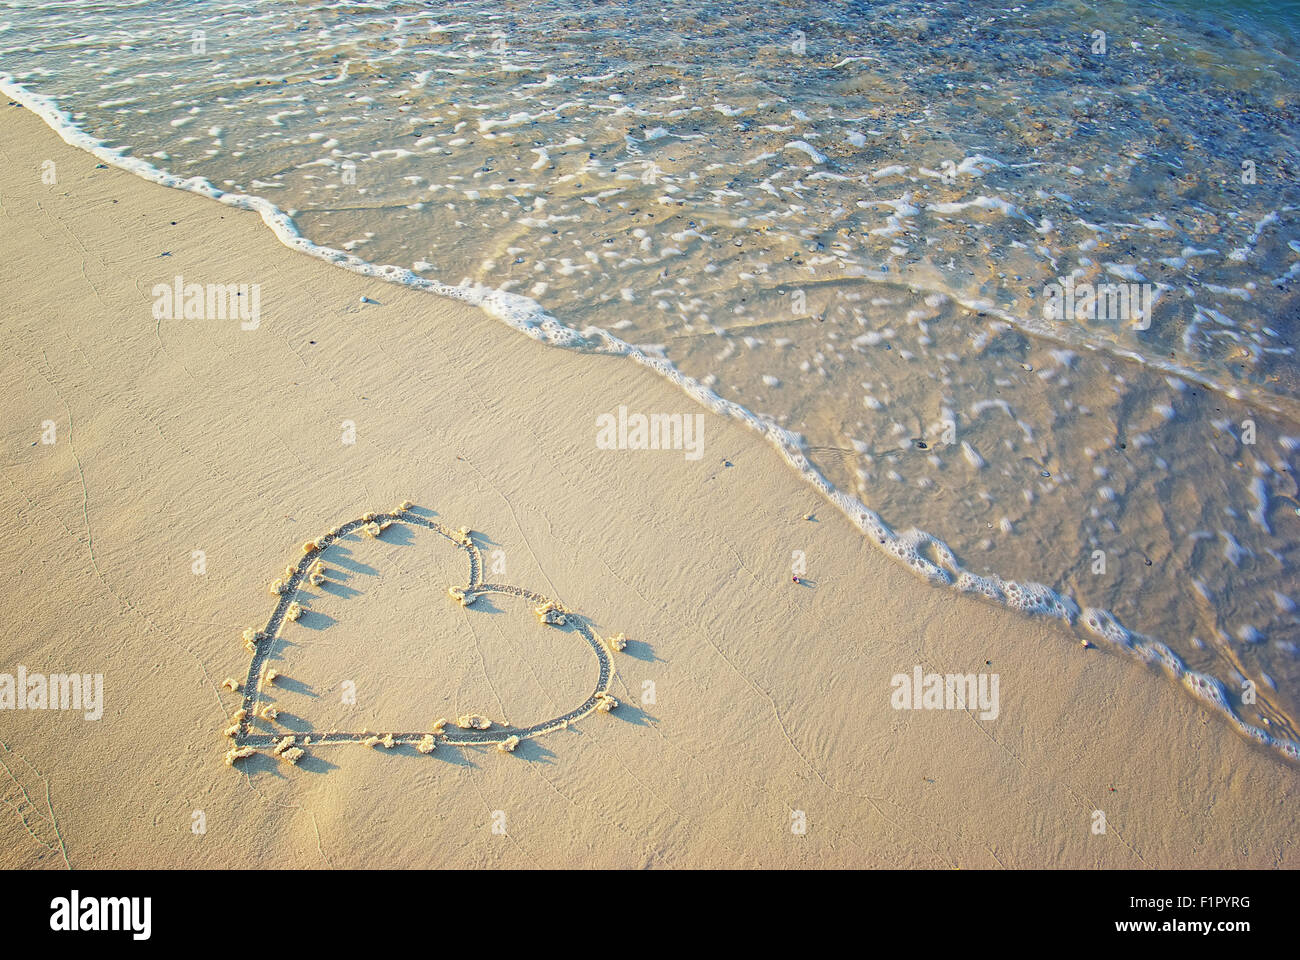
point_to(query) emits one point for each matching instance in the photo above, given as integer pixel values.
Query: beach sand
(771, 699)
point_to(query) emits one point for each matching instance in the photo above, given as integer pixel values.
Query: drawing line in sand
(470, 729)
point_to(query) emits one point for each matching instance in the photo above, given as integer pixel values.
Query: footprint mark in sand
(470, 729)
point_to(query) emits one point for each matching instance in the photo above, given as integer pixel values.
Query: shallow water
(845, 218)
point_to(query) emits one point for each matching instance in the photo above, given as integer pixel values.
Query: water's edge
(927, 556)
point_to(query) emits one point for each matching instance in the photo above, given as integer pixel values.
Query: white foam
(802, 145)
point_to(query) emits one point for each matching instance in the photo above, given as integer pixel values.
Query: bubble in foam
(1028, 597)
(912, 543)
(1153, 651)
(1104, 625)
(1207, 688)
(989, 587)
(1251, 731)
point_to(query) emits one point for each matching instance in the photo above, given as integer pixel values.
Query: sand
(769, 739)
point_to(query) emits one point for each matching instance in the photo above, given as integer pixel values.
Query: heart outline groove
(245, 741)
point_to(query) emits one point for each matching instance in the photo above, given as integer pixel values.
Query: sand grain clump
(550, 613)
(463, 597)
(233, 730)
(238, 753)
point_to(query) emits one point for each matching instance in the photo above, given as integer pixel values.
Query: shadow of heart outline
(244, 739)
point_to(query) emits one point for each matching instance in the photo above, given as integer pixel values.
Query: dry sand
(770, 697)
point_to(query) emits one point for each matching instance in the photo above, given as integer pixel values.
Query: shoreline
(772, 696)
(928, 556)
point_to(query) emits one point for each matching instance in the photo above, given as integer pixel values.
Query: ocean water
(847, 224)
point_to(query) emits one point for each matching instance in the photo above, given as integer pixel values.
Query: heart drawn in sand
(310, 569)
